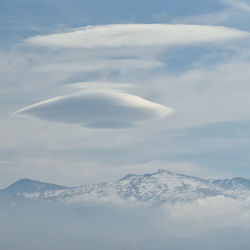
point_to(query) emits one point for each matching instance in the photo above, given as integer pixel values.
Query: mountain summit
(30, 186)
(160, 187)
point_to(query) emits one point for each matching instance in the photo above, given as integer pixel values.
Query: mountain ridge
(159, 187)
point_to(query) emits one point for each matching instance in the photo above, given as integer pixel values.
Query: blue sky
(150, 84)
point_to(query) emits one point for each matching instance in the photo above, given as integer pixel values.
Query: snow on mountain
(159, 187)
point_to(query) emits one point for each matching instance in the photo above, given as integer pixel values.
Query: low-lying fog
(43, 226)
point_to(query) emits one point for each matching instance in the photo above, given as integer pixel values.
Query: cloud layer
(97, 109)
(118, 35)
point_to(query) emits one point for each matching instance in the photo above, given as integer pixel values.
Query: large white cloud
(97, 109)
(118, 35)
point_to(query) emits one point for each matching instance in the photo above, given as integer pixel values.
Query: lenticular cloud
(97, 109)
(118, 35)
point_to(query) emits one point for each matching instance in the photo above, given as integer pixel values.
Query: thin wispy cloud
(239, 4)
(100, 65)
(100, 85)
(137, 35)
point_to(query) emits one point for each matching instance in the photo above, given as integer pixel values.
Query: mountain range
(156, 188)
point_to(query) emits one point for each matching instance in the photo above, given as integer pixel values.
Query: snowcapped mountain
(159, 187)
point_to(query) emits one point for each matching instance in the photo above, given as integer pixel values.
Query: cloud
(211, 212)
(97, 109)
(99, 85)
(134, 35)
(236, 12)
(239, 4)
(214, 18)
(100, 65)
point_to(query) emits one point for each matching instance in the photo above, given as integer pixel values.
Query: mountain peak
(164, 171)
(23, 181)
(30, 186)
(158, 171)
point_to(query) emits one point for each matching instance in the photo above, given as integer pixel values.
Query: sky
(93, 90)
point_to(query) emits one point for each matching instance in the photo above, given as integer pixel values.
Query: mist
(44, 225)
